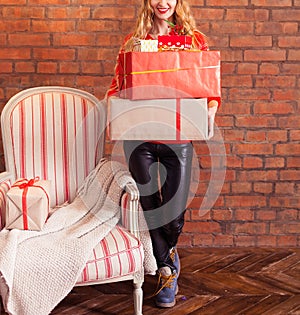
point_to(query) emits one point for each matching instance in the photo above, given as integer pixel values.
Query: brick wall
(75, 42)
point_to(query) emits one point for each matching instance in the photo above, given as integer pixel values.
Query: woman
(162, 170)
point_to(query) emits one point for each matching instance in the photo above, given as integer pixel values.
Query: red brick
(5, 67)
(277, 135)
(294, 55)
(271, 3)
(13, 53)
(15, 25)
(288, 215)
(185, 240)
(74, 40)
(47, 2)
(233, 27)
(275, 81)
(285, 202)
(69, 67)
(288, 149)
(65, 13)
(250, 228)
(265, 55)
(286, 241)
(266, 240)
(285, 229)
(252, 162)
(244, 215)
(223, 240)
(266, 215)
(245, 240)
(247, 68)
(46, 26)
(222, 215)
(234, 80)
(253, 148)
(205, 240)
(293, 162)
(202, 227)
(247, 15)
(269, 68)
(251, 41)
(249, 94)
(112, 12)
(233, 161)
(234, 135)
(287, 40)
(276, 28)
(25, 67)
(276, 162)
(54, 54)
(23, 12)
(263, 188)
(256, 136)
(29, 40)
(245, 201)
(241, 187)
(257, 121)
(47, 67)
(260, 175)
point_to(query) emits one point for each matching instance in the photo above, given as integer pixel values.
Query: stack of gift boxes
(164, 86)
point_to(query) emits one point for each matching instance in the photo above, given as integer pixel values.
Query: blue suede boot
(175, 259)
(167, 285)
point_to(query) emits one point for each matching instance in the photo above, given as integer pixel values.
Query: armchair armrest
(130, 209)
(6, 179)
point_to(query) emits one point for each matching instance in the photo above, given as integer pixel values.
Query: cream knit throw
(38, 269)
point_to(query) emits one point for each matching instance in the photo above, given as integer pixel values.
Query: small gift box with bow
(28, 204)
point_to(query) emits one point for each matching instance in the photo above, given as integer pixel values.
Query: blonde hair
(182, 17)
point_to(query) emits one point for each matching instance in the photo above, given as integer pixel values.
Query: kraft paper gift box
(158, 119)
(169, 74)
(145, 45)
(28, 204)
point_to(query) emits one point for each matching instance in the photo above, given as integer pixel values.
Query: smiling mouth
(162, 10)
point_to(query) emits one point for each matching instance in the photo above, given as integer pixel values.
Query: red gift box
(171, 42)
(169, 74)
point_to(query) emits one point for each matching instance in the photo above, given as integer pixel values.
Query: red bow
(29, 183)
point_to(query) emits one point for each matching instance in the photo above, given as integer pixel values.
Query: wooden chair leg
(138, 293)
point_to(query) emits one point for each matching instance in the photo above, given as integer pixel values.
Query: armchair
(57, 133)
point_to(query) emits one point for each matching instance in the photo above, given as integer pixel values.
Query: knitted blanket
(39, 269)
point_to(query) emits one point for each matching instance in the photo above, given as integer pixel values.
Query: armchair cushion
(118, 254)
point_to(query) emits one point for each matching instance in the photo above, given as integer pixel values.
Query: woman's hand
(212, 109)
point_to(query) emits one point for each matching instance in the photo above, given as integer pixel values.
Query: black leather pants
(162, 173)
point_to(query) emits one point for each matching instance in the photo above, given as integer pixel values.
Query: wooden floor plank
(213, 281)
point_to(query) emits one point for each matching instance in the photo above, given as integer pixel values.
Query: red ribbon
(178, 119)
(25, 185)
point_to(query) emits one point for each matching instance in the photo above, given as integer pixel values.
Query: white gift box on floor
(158, 119)
(27, 206)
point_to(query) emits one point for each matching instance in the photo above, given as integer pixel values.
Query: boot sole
(166, 305)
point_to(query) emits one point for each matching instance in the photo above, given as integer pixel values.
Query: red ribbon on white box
(25, 184)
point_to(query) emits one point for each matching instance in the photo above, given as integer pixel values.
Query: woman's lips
(162, 10)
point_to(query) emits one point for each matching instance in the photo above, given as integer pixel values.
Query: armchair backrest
(53, 133)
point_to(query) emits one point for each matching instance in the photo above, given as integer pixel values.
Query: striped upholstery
(58, 134)
(120, 253)
(55, 136)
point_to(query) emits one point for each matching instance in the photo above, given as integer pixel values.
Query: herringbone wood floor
(212, 282)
